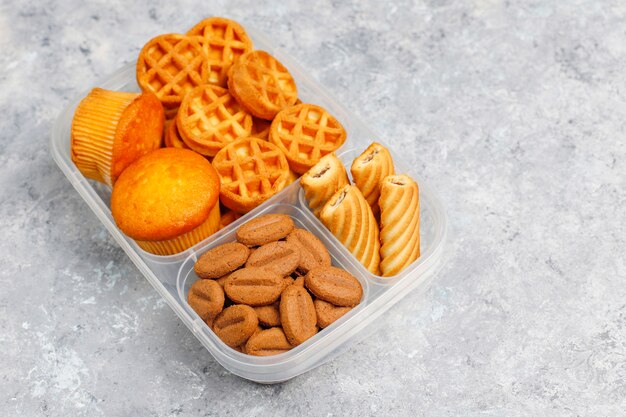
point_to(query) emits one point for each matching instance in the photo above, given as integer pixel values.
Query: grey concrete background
(513, 110)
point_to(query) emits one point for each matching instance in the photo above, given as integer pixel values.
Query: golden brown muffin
(111, 129)
(167, 200)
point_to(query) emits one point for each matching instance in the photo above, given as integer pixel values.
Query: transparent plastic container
(172, 275)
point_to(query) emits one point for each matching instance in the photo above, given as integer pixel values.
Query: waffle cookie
(348, 216)
(172, 137)
(251, 170)
(268, 342)
(210, 118)
(170, 66)
(112, 129)
(262, 85)
(228, 217)
(322, 181)
(293, 177)
(223, 41)
(369, 169)
(399, 223)
(306, 133)
(170, 113)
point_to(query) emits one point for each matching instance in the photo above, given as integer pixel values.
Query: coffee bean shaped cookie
(254, 286)
(206, 297)
(297, 315)
(258, 329)
(287, 281)
(328, 313)
(269, 315)
(242, 348)
(299, 282)
(236, 324)
(281, 257)
(334, 285)
(268, 342)
(295, 274)
(222, 280)
(265, 229)
(312, 251)
(221, 260)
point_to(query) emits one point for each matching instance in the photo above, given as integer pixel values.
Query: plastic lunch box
(172, 275)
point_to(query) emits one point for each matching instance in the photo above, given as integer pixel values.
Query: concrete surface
(513, 110)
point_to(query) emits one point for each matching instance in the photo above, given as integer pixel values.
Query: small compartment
(430, 238)
(186, 277)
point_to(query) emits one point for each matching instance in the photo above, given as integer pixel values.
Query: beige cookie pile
(272, 289)
(377, 219)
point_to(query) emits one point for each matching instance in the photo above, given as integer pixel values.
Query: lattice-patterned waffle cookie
(170, 66)
(210, 118)
(228, 217)
(170, 113)
(172, 138)
(262, 85)
(251, 171)
(305, 133)
(223, 41)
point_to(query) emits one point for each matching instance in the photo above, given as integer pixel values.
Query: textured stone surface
(513, 110)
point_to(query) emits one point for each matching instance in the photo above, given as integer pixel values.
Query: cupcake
(112, 129)
(167, 201)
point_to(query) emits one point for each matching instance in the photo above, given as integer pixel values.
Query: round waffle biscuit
(262, 85)
(306, 133)
(170, 66)
(172, 138)
(210, 118)
(223, 41)
(251, 170)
